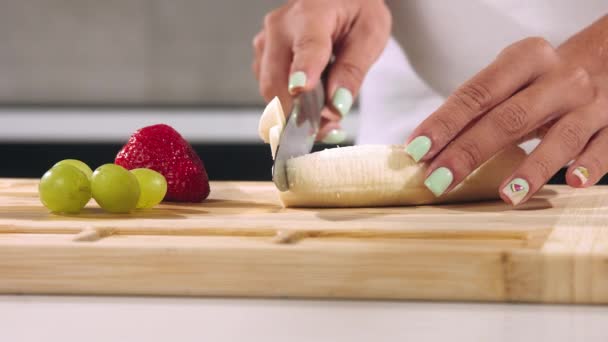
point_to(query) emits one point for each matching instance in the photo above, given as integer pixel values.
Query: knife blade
(300, 132)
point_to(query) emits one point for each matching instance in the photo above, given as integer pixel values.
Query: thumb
(354, 57)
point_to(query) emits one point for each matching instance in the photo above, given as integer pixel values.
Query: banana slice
(374, 175)
(273, 139)
(271, 124)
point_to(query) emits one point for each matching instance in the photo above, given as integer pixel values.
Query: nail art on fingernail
(418, 147)
(516, 190)
(335, 136)
(297, 80)
(582, 174)
(342, 100)
(439, 181)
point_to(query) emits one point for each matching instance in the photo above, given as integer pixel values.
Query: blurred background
(78, 77)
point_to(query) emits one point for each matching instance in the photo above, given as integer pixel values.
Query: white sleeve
(393, 100)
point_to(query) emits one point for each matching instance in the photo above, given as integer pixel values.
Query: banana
(379, 175)
(271, 124)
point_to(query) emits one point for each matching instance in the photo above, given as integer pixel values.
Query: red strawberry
(163, 149)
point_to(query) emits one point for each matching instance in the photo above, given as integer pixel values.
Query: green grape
(115, 189)
(80, 165)
(153, 187)
(64, 189)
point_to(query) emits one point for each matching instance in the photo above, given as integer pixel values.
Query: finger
(552, 94)
(514, 68)
(274, 67)
(311, 49)
(331, 133)
(329, 121)
(562, 143)
(351, 65)
(258, 49)
(330, 114)
(592, 164)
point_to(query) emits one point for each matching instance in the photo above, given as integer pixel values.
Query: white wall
(129, 51)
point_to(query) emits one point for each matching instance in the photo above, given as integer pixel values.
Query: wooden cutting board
(240, 242)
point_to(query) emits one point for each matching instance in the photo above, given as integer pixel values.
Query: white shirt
(438, 45)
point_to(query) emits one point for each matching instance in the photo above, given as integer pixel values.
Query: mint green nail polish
(439, 181)
(297, 80)
(342, 100)
(418, 147)
(516, 190)
(582, 173)
(335, 136)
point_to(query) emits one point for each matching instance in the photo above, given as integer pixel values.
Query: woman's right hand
(298, 40)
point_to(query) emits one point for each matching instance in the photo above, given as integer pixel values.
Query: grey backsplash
(129, 52)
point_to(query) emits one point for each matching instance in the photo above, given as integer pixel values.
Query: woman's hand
(298, 40)
(530, 90)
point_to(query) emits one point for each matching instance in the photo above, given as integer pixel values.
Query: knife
(300, 132)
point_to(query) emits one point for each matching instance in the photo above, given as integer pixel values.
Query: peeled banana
(377, 175)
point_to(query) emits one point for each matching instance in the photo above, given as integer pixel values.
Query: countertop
(91, 319)
(107, 124)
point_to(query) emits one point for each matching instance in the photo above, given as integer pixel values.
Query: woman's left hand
(530, 90)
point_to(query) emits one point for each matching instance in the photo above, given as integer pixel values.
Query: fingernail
(297, 80)
(418, 147)
(439, 181)
(582, 174)
(342, 100)
(516, 190)
(335, 136)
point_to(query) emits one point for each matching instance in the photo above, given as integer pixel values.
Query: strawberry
(162, 149)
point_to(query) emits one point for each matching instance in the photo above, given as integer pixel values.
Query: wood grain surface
(241, 242)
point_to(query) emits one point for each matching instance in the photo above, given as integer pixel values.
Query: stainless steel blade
(299, 134)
